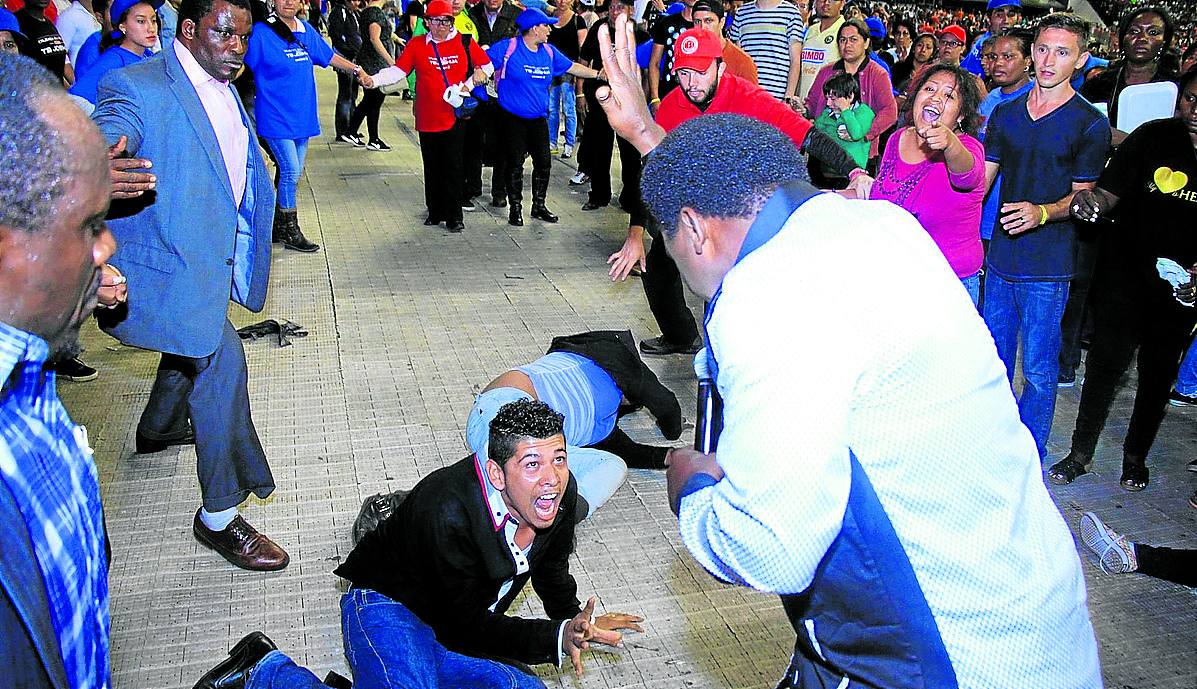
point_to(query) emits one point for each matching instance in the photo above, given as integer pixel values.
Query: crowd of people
(987, 155)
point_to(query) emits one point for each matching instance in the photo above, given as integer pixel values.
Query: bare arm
(1024, 216)
(795, 69)
(623, 96)
(654, 75)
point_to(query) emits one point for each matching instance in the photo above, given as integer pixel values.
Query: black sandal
(1066, 470)
(1134, 474)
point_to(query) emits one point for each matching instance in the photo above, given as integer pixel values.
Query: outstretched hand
(622, 97)
(127, 184)
(604, 629)
(938, 137)
(581, 630)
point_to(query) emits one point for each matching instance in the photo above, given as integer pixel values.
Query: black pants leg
(1169, 564)
(367, 110)
(1165, 340)
(635, 455)
(537, 133)
(213, 392)
(472, 157)
(600, 145)
(665, 292)
(516, 145)
(442, 156)
(346, 95)
(1078, 306)
(1117, 333)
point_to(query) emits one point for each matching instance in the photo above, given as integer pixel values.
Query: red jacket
(738, 97)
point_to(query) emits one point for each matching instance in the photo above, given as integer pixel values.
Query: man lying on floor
(586, 377)
(430, 586)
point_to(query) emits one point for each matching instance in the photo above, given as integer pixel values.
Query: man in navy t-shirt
(524, 70)
(1048, 145)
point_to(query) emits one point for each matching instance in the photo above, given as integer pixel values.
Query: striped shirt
(47, 466)
(766, 35)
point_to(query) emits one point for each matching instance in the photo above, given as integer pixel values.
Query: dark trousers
(212, 392)
(1077, 312)
(523, 137)
(441, 152)
(346, 96)
(635, 455)
(594, 158)
(368, 109)
(665, 292)
(1169, 564)
(473, 134)
(486, 149)
(1125, 317)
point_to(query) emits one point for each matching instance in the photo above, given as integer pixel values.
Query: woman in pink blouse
(935, 168)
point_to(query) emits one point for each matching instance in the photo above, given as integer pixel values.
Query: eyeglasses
(950, 44)
(440, 21)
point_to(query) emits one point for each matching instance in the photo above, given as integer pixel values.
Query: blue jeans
(563, 96)
(289, 154)
(1186, 380)
(972, 284)
(1034, 310)
(388, 647)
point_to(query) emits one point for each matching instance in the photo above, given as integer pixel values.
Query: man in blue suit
(202, 237)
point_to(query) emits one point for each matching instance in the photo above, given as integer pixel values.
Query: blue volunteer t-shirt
(1040, 160)
(88, 85)
(989, 212)
(524, 89)
(285, 103)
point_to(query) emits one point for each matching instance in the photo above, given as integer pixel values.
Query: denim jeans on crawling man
(388, 647)
(1034, 310)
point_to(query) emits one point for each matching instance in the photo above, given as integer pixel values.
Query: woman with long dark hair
(922, 52)
(935, 168)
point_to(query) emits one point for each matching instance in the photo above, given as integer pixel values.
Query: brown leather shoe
(242, 545)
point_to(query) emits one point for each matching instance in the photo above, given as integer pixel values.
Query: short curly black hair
(34, 160)
(521, 420)
(967, 92)
(721, 166)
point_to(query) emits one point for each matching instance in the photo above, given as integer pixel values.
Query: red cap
(955, 31)
(696, 49)
(439, 8)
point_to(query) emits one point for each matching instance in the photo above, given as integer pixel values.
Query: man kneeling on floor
(430, 586)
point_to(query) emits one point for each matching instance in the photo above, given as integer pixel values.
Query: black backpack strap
(465, 43)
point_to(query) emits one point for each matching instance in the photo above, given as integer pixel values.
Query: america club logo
(688, 45)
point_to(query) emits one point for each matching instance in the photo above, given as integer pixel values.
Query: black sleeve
(589, 52)
(1125, 171)
(824, 149)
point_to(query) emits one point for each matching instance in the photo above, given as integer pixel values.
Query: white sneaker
(567, 152)
(553, 150)
(579, 179)
(1114, 554)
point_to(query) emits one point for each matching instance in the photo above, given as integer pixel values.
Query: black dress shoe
(233, 672)
(592, 206)
(430, 221)
(455, 226)
(661, 346)
(515, 216)
(542, 213)
(498, 203)
(148, 446)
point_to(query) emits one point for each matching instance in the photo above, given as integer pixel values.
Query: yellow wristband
(655, 101)
(1042, 215)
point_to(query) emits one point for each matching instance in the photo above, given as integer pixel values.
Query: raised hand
(622, 97)
(938, 137)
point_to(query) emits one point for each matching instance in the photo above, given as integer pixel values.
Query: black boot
(540, 191)
(233, 671)
(287, 231)
(515, 215)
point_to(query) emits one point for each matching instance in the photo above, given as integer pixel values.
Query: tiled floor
(406, 322)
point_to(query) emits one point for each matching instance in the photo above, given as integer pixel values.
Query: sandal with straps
(1135, 476)
(1068, 469)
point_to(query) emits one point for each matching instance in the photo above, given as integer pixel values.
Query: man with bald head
(53, 249)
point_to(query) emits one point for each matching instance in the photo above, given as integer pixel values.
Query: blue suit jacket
(177, 245)
(29, 653)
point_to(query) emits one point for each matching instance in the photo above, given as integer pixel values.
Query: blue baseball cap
(533, 17)
(9, 23)
(119, 7)
(675, 8)
(995, 4)
(876, 27)
(485, 408)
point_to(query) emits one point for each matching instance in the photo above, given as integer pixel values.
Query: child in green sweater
(846, 119)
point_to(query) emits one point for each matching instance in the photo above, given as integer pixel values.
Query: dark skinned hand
(126, 182)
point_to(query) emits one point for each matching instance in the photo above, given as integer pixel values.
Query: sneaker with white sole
(468, 206)
(1114, 553)
(1177, 399)
(579, 179)
(74, 369)
(567, 152)
(378, 145)
(553, 150)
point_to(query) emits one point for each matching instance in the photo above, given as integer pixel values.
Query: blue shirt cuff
(696, 483)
